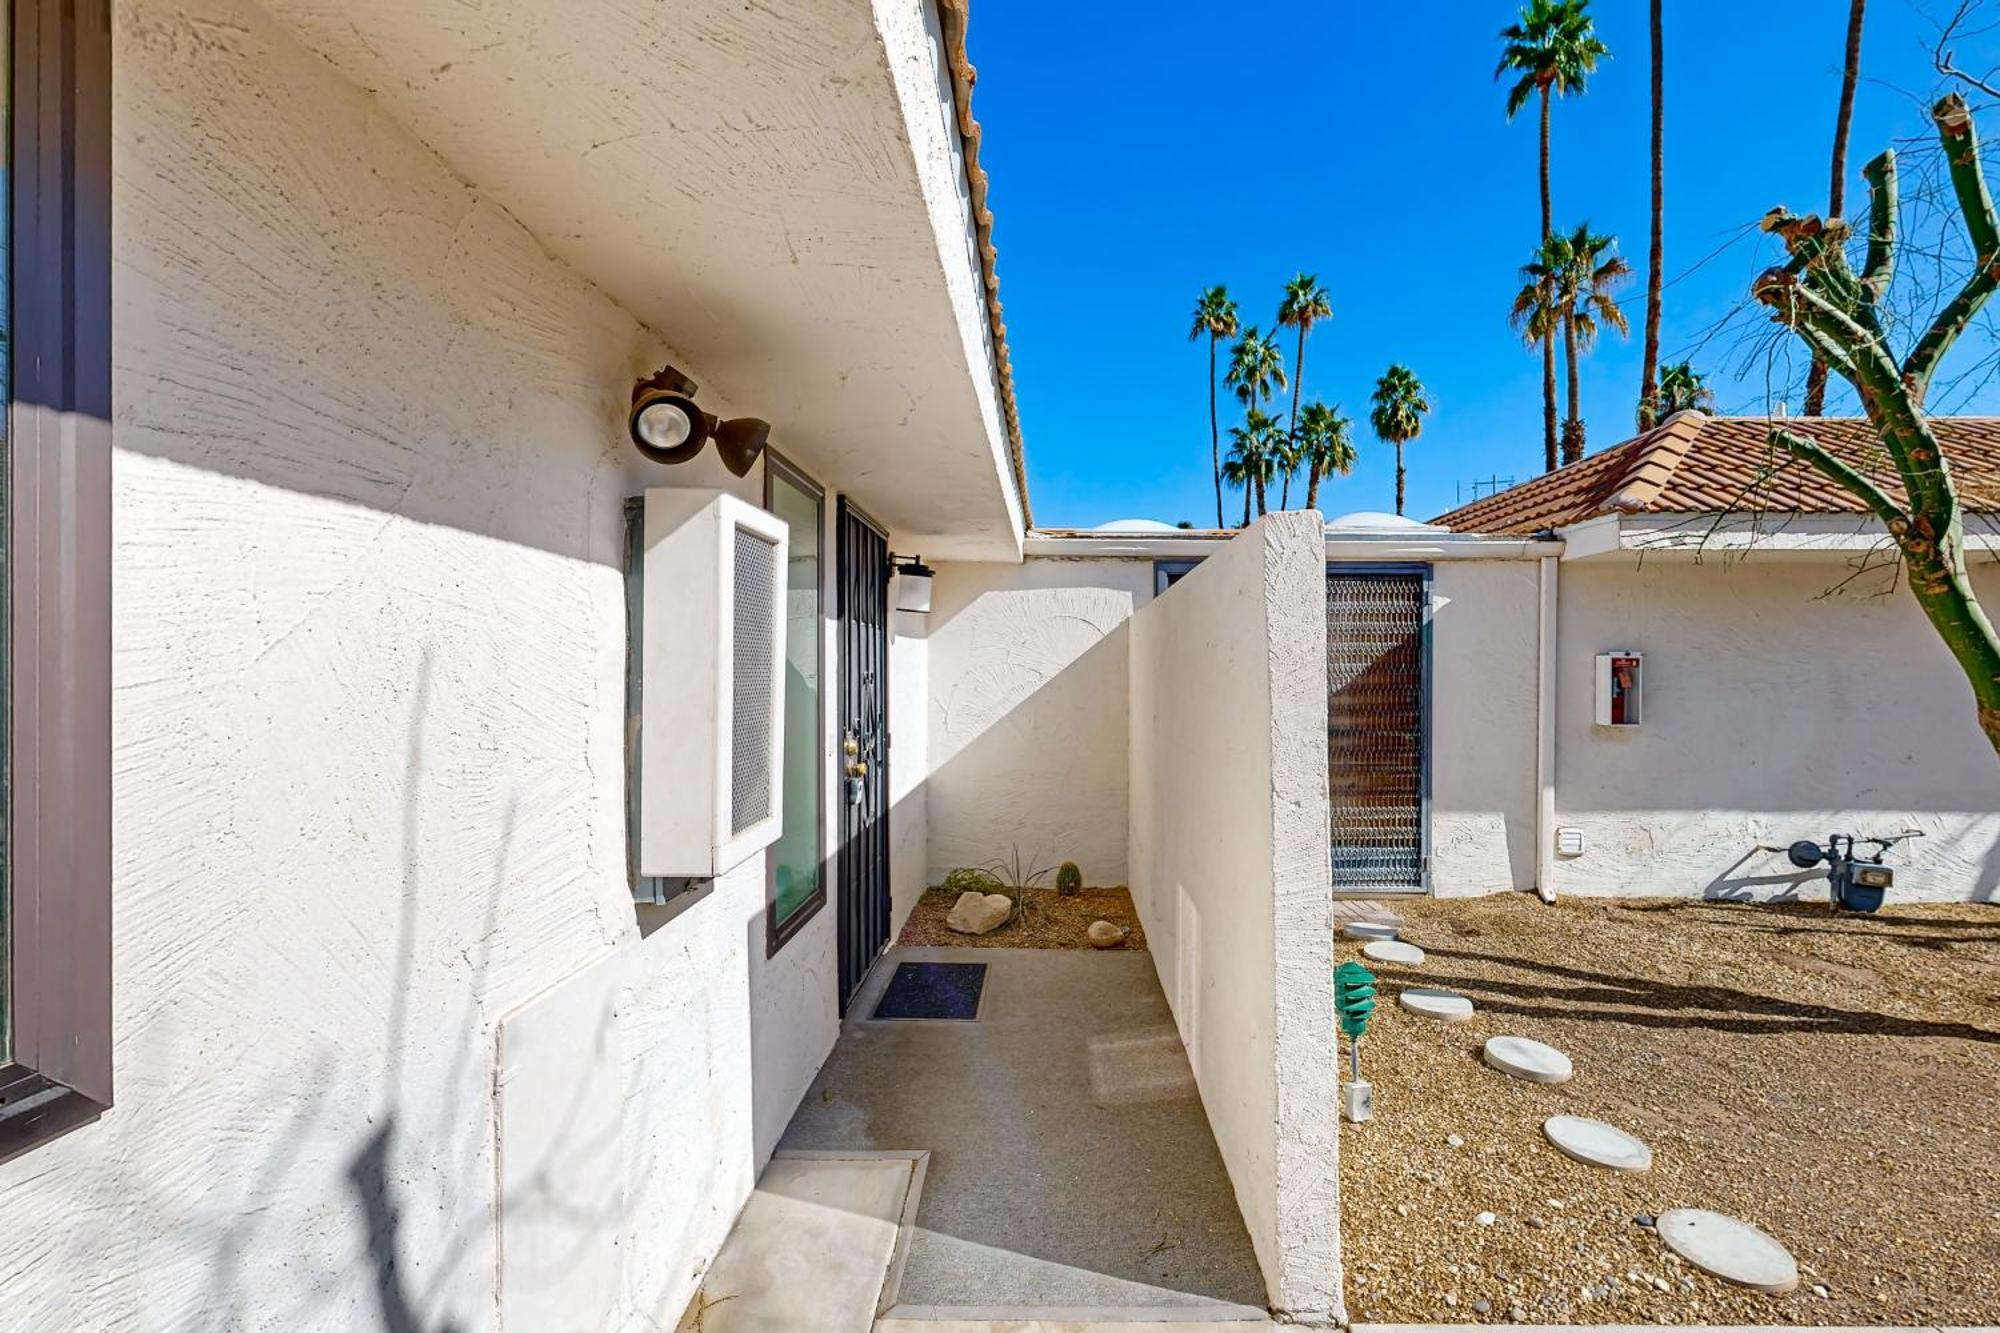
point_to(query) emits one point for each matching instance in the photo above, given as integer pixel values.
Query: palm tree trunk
(1261, 509)
(1247, 495)
(1399, 477)
(1836, 194)
(1292, 431)
(1573, 428)
(1649, 386)
(1214, 432)
(1312, 487)
(1548, 335)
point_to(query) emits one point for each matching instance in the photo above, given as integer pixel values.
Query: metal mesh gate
(1375, 683)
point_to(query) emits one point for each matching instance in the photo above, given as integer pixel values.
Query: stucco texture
(1773, 712)
(1231, 877)
(1485, 662)
(1027, 719)
(368, 762)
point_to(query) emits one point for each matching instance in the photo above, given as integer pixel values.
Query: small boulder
(1104, 935)
(977, 913)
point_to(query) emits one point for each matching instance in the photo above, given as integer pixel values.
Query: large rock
(977, 913)
(1104, 935)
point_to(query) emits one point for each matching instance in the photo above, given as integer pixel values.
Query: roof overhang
(1085, 544)
(779, 190)
(1773, 535)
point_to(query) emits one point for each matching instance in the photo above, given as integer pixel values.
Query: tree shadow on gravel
(1663, 1004)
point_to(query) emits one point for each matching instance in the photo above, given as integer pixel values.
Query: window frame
(57, 760)
(777, 934)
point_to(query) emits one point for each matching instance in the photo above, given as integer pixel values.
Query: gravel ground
(1053, 921)
(1834, 1082)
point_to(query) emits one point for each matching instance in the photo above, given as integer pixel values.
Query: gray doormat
(933, 991)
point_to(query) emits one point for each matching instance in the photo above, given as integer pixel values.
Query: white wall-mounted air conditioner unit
(712, 688)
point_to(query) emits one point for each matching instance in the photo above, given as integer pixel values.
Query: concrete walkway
(1072, 1173)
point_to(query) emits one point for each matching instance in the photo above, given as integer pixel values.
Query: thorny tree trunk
(1836, 193)
(1649, 383)
(1214, 433)
(1572, 439)
(1399, 477)
(1548, 335)
(1835, 312)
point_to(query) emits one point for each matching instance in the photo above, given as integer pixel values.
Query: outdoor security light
(913, 584)
(668, 428)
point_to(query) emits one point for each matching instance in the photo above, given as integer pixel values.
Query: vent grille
(1375, 729)
(751, 655)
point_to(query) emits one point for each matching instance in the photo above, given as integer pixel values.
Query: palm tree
(1836, 202)
(1326, 446)
(1304, 305)
(1256, 368)
(1253, 458)
(1568, 286)
(1398, 415)
(1656, 254)
(1214, 315)
(1553, 49)
(1682, 390)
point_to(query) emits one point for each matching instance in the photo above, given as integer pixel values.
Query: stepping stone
(1394, 951)
(1731, 1250)
(1532, 1060)
(1433, 1003)
(1597, 1143)
(1369, 930)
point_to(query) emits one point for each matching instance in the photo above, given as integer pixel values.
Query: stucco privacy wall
(368, 767)
(1772, 713)
(1485, 660)
(1027, 727)
(1230, 876)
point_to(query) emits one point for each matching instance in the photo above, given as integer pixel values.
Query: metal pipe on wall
(1545, 735)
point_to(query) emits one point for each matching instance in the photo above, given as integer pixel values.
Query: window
(796, 871)
(55, 558)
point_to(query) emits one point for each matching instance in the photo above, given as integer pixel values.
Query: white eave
(1772, 535)
(1436, 544)
(779, 190)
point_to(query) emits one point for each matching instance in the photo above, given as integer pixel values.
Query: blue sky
(1141, 151)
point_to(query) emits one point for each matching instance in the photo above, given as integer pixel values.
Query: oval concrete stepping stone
(1596, 1143)
(1393, 951)
(1525, 1058)
(1729, 1249)
(1434, 1003)
(1368, 930)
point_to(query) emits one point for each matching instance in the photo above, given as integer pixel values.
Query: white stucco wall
(1772, 713)
(1231, 878)
(1027, 731)
(369, 768)
(1484, 660)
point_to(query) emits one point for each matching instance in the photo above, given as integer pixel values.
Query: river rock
(977, 913)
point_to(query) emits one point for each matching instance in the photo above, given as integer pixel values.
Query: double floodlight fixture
(668, 428)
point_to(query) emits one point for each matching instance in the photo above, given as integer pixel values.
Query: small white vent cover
(710, 724)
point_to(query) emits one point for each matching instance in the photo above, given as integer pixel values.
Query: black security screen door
(864, 748)
(1377, 694)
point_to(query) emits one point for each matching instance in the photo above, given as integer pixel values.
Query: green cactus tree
(1838, 315)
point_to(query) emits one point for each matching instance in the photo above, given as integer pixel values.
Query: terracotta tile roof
(953, 14)
(1696, 464)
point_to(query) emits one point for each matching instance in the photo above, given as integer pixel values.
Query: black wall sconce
(667, 427)
(913, 583)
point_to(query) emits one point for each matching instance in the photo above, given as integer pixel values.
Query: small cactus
(1069, 880)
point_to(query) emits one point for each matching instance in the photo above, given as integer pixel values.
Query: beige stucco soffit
(778, 190)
